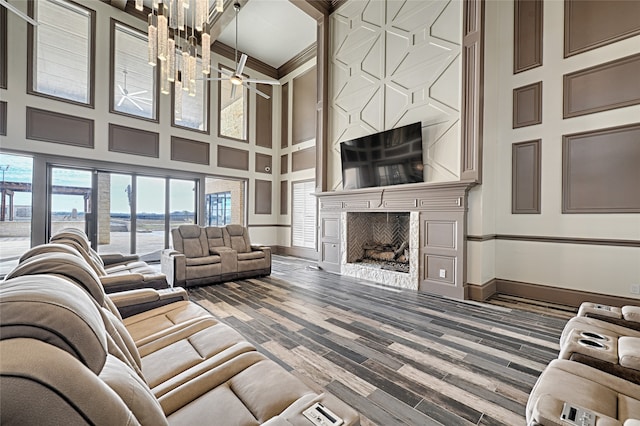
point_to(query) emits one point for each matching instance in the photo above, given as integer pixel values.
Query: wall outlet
(443, 273)
(635, 289)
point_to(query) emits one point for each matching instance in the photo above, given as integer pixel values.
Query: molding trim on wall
(611, 85)
(3, 118)
(472, 90)
(50, 126)
(526, 177)
(134, 141)
(600, 171)
(482, 292)
(558, 295)
(189, 151)
(268, 225)
(558, 240)
(305, 253)
(233, 158)
(527, 34)
(3, 47)
(297, 61)
(527, 105)
(262, 200)
(614, 22)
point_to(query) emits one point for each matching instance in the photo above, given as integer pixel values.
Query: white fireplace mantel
(441, 226)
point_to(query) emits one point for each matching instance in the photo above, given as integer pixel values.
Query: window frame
(206, 103)
(92, 57)
(219, 111)
(112, 64)
(3, 48)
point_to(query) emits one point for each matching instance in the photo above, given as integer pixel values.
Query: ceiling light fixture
(170, 43)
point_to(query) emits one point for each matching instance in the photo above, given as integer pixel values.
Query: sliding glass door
(70, 200)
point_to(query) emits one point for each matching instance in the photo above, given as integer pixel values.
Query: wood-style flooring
(397, 357)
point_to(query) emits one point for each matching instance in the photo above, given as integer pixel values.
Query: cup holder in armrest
(591, 344)
(592, 335)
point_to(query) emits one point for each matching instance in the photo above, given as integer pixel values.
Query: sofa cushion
(258, 254)
(629, 352)
(238, 238)
(205, 260)
(631, 313)
(214, 237)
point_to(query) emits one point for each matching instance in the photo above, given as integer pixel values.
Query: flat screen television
(392, 157)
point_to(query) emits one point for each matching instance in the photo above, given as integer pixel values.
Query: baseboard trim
(561, 296)
(296, 251)
(482, 292)
(557, 240)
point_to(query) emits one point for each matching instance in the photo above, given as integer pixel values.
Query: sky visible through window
(20, 170)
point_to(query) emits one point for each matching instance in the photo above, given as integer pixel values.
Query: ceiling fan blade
(136, 104)
(18, 12)
(213, 79)
(272, 82)
(138, 93)
(121, 100)
(241, 64)
(144, 101)
(122, 92)
(233, 91)
(264, 95)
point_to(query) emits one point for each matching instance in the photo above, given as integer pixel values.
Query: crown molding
(298, 60)
(252, 63)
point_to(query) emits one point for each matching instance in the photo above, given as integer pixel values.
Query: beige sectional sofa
(69, 356)
(596, 380)
(206, 255)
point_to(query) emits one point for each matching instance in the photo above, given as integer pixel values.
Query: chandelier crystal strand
(139, 5)
(178, 98)
(206, 50)
(192, 66)
(180, 15)
(200, 6)
(152, 47)
(171, 60)
(165, 86)
(219, 6)
(173, 14)
(163, 32)
(185, 69)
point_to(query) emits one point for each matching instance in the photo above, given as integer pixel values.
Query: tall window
(134, 85)
(303, 224)
(62, 44)
(190, 111)
(233, 111)
(219, 208)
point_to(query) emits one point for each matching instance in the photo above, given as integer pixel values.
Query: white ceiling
(272, 31)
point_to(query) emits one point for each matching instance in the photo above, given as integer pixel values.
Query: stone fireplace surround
(437, 223)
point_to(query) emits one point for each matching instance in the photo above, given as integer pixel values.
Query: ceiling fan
(134, 97)
(236, 78)
(18, 12)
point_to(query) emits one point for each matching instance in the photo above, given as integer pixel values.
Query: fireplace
(380, 246)
(379, 240)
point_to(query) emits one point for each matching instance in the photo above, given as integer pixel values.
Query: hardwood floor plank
(397, 356)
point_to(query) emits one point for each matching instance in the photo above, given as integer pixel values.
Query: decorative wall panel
(595, 23)
(525, 177)
(233, 158)
(284, 117)
(133, 141)
(527, 105)
(284, 164)
(263, 197)
(392, 64)
(527, 34)
(3, 118)
(284, 197)
(603, 87)
(189, 151)
(303, 117)
(49, 126)
(600, 172)
(264, 120)
(303, 159)
(263, 163)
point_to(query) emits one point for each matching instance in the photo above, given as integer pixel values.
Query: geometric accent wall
(394, 63)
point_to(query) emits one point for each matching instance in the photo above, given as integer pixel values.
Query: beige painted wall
(601, 269)
(392, 64)
(18, 100)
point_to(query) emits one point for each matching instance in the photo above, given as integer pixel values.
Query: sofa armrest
(136, 301)
(121, 282)
(174, 265)
(113, 259)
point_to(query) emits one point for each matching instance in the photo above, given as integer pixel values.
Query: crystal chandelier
(173, 26)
